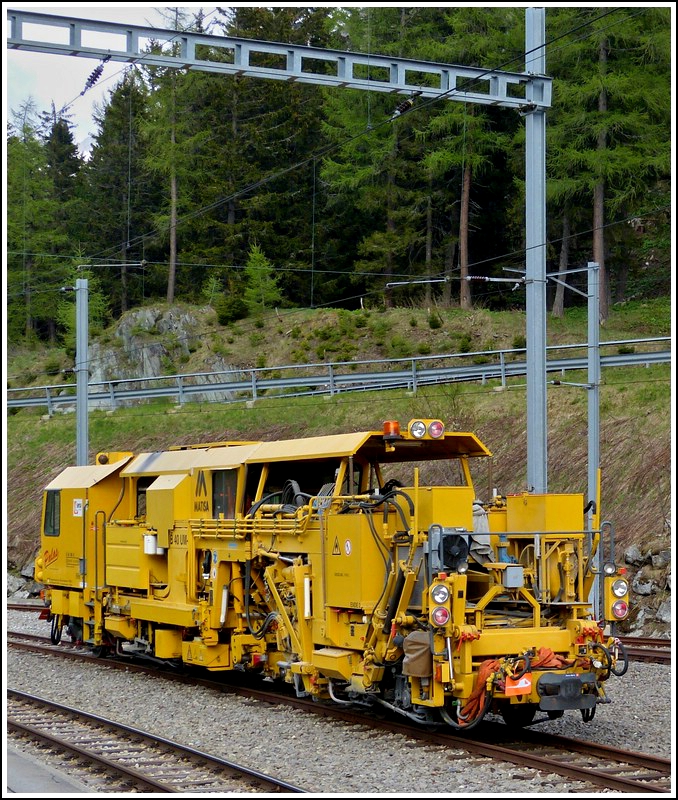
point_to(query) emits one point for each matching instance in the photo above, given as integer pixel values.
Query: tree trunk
(599, 199)
(171, 279)
(429, 248)
(559, 299)
(465, 288)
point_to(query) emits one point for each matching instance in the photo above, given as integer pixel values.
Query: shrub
(231, 308)
(434, 321)
(465, 343)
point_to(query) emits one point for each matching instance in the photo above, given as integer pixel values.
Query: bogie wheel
(56, 628)
(518, 715)
(106, 648)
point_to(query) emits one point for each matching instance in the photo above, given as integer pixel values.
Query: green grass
(301, 335)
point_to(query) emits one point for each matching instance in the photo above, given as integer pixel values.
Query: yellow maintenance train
(359, 568)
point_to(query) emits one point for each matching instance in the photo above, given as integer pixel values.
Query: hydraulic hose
(620, 655)
(460, 726)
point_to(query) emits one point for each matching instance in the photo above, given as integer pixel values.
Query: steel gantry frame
(527, 92)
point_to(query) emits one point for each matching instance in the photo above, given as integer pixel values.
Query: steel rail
(142, 739)
(500, 743)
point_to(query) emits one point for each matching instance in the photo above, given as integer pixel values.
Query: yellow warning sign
(336, 551)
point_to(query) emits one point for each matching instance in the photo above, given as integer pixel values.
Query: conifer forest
(260, 194)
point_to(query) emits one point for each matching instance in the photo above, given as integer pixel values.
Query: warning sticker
(335, 549)
(347, 547)
(517, 686)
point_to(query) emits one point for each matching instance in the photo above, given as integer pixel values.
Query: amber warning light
(391, 429)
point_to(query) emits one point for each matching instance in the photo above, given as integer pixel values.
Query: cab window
(52, 513)
(224, 483)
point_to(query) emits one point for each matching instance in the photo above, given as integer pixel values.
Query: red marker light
(436, 429)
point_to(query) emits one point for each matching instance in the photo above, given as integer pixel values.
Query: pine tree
(120, 195)
(609, 132)
(262, 290)
(36, 233)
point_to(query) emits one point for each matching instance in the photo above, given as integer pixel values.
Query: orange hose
(477, 699)
(547, 658)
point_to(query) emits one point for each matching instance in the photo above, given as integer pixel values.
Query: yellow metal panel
(84, 477)
(76, 604)
(544, 512)
(513, 641)
(224, 457)
(61, 554)
(121, 626)
(335, 663)
(449, 506)
(161, 462)
(354, 567)
(214, 658)
(167, 499)
(126, 564)
(175, 461)
(168, 643)
(165, 613)
(342, 444)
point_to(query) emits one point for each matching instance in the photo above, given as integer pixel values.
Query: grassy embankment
(635, 428)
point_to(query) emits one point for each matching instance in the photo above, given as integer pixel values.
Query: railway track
(648, 649)
(134, 758)
(613, 769)
(608, 767)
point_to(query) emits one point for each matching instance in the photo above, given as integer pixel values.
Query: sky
(60, 79)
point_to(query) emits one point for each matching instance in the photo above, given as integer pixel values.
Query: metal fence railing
(239, 385)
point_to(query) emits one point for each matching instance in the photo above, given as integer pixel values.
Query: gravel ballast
(322, 755)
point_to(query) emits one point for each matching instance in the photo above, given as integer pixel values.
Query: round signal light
(418, 429)
(436, 429)
(609, 568)
(620, 608)
(440, 593)
(620, 588)
(391, 429)
(440, 616)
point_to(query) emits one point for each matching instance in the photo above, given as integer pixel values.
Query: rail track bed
(135, 759)
(588, 762)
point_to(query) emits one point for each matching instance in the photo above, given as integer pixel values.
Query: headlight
(620, 608)
(609, 568)
(418, 429)
(620, 588)
(440, 616)
(440, 593)
(436, 429)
